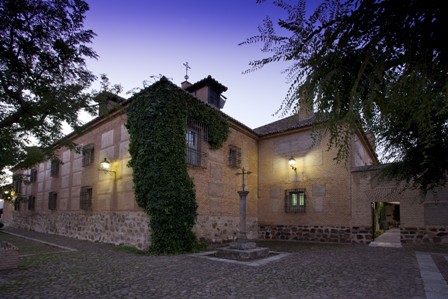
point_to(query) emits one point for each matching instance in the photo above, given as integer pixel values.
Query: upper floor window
(87, 154)
(17, 183)
(33, 175)
(85, 198)
(54, 168)
(52, 198)
(234, 156)
(295, 201)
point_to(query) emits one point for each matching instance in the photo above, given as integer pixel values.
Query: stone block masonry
(424, 235)
(9, 256)
(334, 234)
(120, 228)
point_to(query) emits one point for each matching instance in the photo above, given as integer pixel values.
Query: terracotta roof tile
(288, 123)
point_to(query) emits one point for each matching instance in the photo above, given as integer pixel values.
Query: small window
(87, 155)
(17, 182)
(193, 154)
(295, 201)
(52, 198)
(33, 175)
(234, 156)
(85, 198)
(31, 202)
(54, 168)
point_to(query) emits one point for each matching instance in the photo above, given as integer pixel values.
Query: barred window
(17, 183)
(87, 154)
(52, 198)
(31, 202)
(33, 175)
(193, 154)
(85, 198)
(234, 156)
(295, 201)
(54, 168)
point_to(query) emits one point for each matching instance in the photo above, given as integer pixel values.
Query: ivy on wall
(157, 120)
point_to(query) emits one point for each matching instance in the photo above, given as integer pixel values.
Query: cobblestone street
(97, 270)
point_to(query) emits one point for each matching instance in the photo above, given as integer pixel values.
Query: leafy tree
(43, 75)
(381, 65)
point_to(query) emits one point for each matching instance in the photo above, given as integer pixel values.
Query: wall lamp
(292, 163)
(105, 166)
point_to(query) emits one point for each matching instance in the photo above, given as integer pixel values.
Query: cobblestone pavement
(97, 270)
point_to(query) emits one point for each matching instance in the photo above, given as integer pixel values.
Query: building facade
(316, 199)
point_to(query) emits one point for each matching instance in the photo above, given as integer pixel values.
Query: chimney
(107, 102)
(306, 109)
(208, 90)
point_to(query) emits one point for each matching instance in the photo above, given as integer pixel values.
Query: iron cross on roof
(243, 173)
(187, 67)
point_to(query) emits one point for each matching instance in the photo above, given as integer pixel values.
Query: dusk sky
(138, 39)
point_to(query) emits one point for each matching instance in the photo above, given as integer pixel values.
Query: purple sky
(138, 39)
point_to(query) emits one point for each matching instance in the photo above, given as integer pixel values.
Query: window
(54, 168)
(33, 175)
(87, 155)
(17, 182)
(85, 198)
(193, 143)
(295, 201)
(234, 156)
(31, 202)
(52, 197)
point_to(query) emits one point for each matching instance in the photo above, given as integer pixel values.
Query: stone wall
(221, 229)
(119, 228)
(424, 235)
(336, 234)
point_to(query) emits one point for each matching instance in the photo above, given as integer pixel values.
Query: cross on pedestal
(242, 238)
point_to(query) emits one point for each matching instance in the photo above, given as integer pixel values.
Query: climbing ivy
(157, 120)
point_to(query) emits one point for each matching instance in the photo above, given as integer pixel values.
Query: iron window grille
(193, 154)
(85, 198)
(33, 175)
(87, 155)
(52, 198)
(295, 201)
(234, 156)
(55, 168)
(31, 202)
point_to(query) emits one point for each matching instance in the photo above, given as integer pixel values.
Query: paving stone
(309, 270)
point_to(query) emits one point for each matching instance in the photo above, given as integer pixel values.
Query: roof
(209, 81)
(285, 124)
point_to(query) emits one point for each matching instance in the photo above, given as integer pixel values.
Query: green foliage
(379, 64)
(157, 120)
(43, 47)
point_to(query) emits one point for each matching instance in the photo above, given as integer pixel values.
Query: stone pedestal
(243, 254)
(9, 256)
(242, 250)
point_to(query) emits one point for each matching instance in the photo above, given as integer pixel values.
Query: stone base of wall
(119, 228)
(222, 229)
(362, 234)
(424, 235)
(9, 256)
(336, 234)
(317, 233)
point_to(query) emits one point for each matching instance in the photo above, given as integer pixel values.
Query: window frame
(295, 204)
(86, 198)
(52, 201)
(31, 203)
(54, 168)
(234, 160)
(88, 152)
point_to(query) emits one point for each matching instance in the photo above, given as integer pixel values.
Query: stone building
(314, 199)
